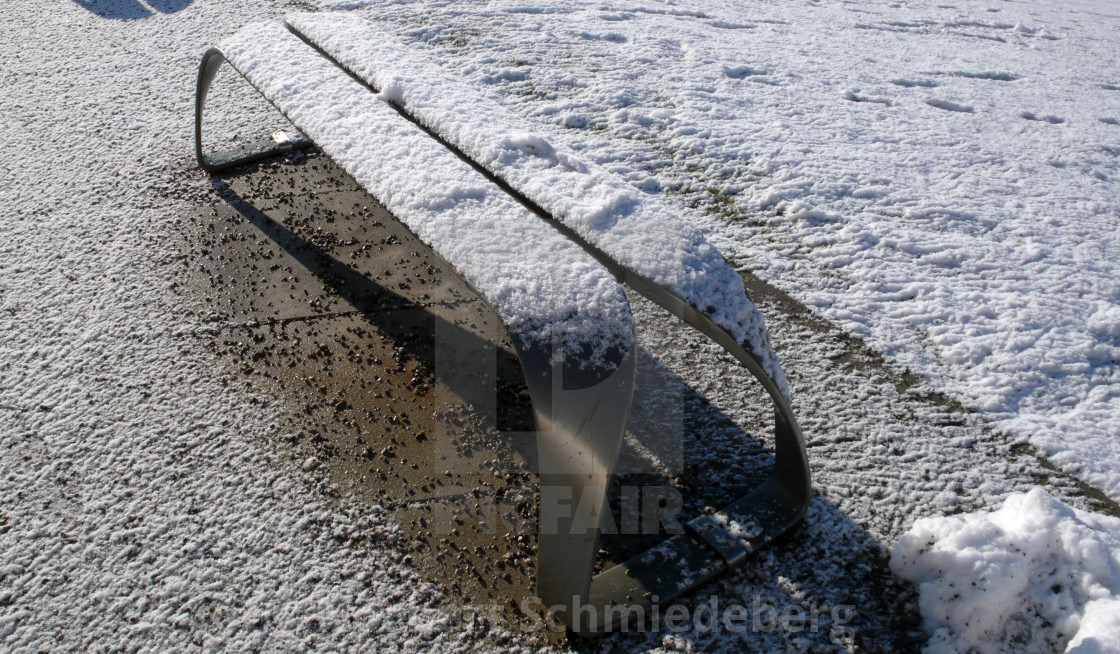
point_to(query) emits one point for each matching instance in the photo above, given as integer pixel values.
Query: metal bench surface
(549, 266)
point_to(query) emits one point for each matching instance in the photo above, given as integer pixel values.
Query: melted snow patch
(1033, 576)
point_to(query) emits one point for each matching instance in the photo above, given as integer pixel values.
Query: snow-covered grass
(878, 161)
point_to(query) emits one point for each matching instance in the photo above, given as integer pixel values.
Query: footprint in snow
(992, 75)
(854, 96)
(739, 72)
(911, 83)
(1053, 120)
(613, 37)
(1110, 87)
(949, 106)
(1109, 121)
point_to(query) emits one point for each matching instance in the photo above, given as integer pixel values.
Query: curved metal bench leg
(580, 430)
(581, 416)
(712, 544)
(277, 144)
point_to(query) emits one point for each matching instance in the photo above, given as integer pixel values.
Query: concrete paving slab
(297, 174)
(367, 415)
(360, 233)
(370, 409)
(316, 255)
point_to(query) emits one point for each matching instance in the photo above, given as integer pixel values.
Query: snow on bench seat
(548, 291)
(633, 228)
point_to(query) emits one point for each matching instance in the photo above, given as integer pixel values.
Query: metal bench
(478, 198)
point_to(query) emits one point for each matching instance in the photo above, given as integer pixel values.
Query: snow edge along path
(575, 308)
(633, 228)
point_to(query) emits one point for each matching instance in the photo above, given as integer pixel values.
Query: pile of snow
(1033, 576)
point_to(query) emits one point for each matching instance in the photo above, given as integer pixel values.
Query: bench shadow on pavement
(826, 562)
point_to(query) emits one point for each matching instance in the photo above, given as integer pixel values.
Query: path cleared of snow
(940, 179)
(145, 505)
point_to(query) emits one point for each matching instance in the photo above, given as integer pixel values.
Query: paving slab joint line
(428, 501)
(252, 324)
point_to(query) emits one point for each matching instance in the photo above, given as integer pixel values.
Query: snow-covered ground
(939, 179)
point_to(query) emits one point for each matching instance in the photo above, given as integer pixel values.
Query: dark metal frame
(258, 150)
